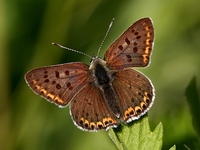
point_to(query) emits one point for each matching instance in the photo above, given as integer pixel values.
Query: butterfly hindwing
(135, 93)
(90, 111)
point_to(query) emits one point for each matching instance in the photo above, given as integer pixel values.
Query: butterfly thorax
(102, 79)
(101, 74)
(100, 71)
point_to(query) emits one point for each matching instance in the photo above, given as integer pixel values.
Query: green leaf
(137, 135)
(173, 147)
(194, 104)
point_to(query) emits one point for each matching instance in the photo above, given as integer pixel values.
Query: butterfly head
(96, 60)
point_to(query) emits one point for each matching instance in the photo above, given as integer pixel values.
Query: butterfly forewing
(133, 48)
(59, 83)
(90, 111)
(135, 93)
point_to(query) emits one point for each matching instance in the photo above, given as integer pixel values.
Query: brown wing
(135, 93)
(90, 112)
(59, 83)
(133, 48)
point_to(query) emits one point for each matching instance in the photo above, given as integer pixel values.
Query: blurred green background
(27, 29)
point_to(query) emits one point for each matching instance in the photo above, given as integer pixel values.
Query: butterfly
(108, 91)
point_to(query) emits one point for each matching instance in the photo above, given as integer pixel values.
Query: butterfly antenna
(73, 50)
(111, 23)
